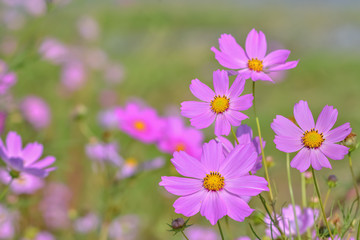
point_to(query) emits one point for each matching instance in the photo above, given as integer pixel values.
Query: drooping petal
(256, 44)
(237, 87)
(222, 125)
(190, 205)
(237, 208)
(181, 186)
(192, 109)
(246, 185)
(201, 91)
(284, 66)
(276, 57)
(188, 166)
(13, 144)
(255, 76)
(203, 120)
(32, 152)
(221, 82)
(288, 144)
(334, 151)
(45, 162)
(213, 207)
(303, 115)
(326, 119)
(338, 134)
(242, 103)
(212, 155)
(302, 160)
(282, 126)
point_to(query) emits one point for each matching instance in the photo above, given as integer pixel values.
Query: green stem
(237, 141)
(292, 195)
(104, 231)
(6, 189)
(262, 148)
(220, 230)
(321, 204)
(327, 197)
(303, 191)
(353, 176)
(184, 235)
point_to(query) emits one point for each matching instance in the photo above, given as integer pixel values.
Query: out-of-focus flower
(201, 233)
(316, 142)
(73, 75)
(33, 234)
(87, 223)
(108, 98)
(54, 51)
(305, 219)
(95, 58)
(88, 28)
(13, 19)
(141, 123)
(25, 160)
(244, 135)
(108, 118)
(177, 137)
(7, 79)
(23, 184)
(221, 106)
(7, 228)
(114, 73)
(36, 111)
(35, 7)
(104, 152)
(124, 227)
(131, 167)
(252, 64)
(55, 206)
(216, 184)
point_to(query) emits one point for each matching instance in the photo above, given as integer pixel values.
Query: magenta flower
(25, 160)
(140, 123)
(7, 79)
(177, 137)
(36, 111)
(24, 184)
(104, 152)
(253, 63)
(245, 136)
(53, 50)
(87, 223)
(316, 142)
(216, 184)
(73, 75)
(124, 227)
(221, 106)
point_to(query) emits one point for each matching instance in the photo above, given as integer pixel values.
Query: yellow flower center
(220, 104)
(255, 64)
(131, 162)
(214, 181)
(139, 125)
(312, 139)
(180, 147)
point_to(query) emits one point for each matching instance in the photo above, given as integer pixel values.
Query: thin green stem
(184, 235)
(220, 230)
(104, 231)
(327, 197)
(6, 189)
(262, 148)
(237, 141)
(292, 195)
(253, 231)
(303, 191)
(353, 176)
(321, 204)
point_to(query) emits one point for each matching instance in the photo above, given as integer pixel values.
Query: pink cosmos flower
(7, 79)
(87, 223)
(245, 136)
(305, 218)
(73, 75)
(53, 50)
(140, 123)
(36, 111)
(201, 233)
(25, 160)
(104, 152)
(253, 63)
(131, 167)
(108, 118)
(24, 184)
(316, 142)
(221, 106)
(216, 184)
(177, 137)
(124, 227)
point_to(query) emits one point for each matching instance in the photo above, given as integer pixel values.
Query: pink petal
(237, 208)
(246, 185)
(13, 144)
(245, 73)
(255, 76)
(32, 152)
(228, 45)
(237, 87)
(285, 66)
(322, 159)
(288, 144)
(190, 205)
(192, 109)
(334, 151)
(213, 207)
(235, 117)
(338, 134)
(221, 82)
(45, 162)
(222, 125)
(212, 155)
(255, 44)
(201, 91)
(302, 160)
(188, 166)
(326, 119)
(181, 186)
(303, 115)
(314, 160)
(276, 57)
(203, 120)
(227, 60)
(284, 127)
(242, 103)
(227, 145)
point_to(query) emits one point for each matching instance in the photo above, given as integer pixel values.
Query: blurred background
(151, 50)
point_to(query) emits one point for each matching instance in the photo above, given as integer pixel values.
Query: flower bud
(79, 112)
(269, 161)
(257, 217)
(332, 181)
(350, 141)
(178, 223)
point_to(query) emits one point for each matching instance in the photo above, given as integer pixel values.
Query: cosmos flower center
(131, 162)
(214, 181)
(180, 147)
(312, 138)
(139, 125)
(220, 104)
(255, 64)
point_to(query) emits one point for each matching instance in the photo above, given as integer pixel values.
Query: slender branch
(252, 229)
(237, 141)
(220, 230)
(184, 235)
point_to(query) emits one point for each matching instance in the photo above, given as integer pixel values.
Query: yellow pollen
(139, 125)
(214, 181)
(220, 104)
(255, 64)
(131, 162)
(180, 147)
(312, 139)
